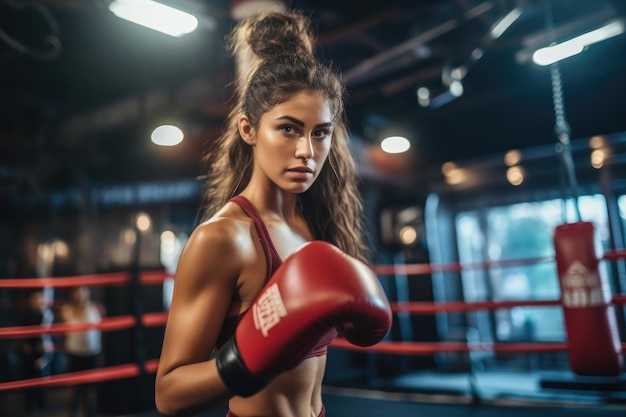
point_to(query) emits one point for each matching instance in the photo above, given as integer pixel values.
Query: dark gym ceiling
(80, 89)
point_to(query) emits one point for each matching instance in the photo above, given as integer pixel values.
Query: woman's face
(80, 294)
(292, 141)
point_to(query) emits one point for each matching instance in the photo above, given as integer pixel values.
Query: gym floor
(429, 394)
(341, 402)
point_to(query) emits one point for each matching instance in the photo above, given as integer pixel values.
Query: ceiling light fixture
(551, 54)
(156, 16)
(503, 24)
(395, 144)
(167, 135)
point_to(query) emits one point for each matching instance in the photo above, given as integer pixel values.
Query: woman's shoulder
(224, 239)
(227, 227)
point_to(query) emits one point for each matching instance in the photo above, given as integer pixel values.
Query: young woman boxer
(275, 270)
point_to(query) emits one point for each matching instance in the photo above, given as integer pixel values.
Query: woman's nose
(304, 149)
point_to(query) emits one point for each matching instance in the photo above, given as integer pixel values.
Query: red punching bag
(593, 340)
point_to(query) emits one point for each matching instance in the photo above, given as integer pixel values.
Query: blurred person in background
(36, 352)
(83, 348)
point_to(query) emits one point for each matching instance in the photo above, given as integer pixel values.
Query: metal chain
(561, 126)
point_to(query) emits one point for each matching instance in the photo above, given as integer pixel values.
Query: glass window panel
(621, 204)
(523, 231)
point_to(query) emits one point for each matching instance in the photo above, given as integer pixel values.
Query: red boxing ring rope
(156, 277)
(426, 307)
(614, 255)
(385, 347)
(118, 278)
(83, 377)
(424, 269)
(107, 324)
(430, 348)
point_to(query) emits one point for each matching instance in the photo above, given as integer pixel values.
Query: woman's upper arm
(204, 283)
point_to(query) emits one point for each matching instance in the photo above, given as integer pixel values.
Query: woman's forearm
(190, 389)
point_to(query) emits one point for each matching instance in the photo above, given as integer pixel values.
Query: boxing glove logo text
(268, 310)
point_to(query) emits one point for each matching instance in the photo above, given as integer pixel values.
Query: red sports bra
(273, 261)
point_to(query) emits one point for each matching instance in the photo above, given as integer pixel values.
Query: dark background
(81, 90)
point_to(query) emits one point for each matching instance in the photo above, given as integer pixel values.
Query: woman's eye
(320, 134)
(288, 129)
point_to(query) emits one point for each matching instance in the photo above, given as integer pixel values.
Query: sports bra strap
(272, 259)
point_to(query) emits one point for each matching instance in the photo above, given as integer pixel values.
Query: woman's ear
(246, 130)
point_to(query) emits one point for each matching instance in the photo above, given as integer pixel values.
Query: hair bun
(264, 37)
(281, 33)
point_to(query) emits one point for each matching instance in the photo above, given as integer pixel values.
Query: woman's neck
(277, 203)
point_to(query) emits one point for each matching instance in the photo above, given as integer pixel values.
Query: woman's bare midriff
(295, 393)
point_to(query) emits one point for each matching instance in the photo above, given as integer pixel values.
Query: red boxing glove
(315, 289)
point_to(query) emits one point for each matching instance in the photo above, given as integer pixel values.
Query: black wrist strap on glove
(234, 373)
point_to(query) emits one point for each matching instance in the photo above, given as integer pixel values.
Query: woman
(37, 351)
(83, 348)
(281, 176)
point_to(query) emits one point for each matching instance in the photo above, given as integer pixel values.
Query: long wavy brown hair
(280, 69)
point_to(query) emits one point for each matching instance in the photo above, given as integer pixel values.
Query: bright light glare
(505, 23)
(168, 237)
(552, 54)
(143, 222)
(456, 176)
(408, 235)
(515, 175)
(395, 144)
(167, 135)
(596, 142)
(597, 158)
(423, 96)
(512, 157)
(155, 16)
(456, 88)
(448, 167)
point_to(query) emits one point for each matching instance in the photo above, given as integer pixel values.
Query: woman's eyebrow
(291, 119)
(301, 123)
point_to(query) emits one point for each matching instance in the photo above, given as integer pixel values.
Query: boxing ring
(593, 344)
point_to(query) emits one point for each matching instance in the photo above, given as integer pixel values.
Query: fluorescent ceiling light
(395, 144)
(505, 23)
(552, 54)
(155, 16)
(167, 135)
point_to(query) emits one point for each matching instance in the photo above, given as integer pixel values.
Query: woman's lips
(300, 172)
